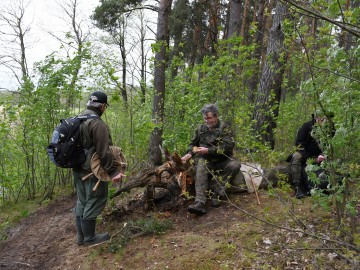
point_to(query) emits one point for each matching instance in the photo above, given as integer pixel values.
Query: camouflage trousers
(89, 203)
(297, 169)
(212, 177)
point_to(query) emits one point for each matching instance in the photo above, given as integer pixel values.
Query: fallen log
(178, 178)
(173, 175)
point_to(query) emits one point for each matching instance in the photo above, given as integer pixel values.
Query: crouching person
(95, 137)
(212, 147)
(309, 147)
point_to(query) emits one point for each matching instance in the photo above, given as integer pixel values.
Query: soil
(240, 234)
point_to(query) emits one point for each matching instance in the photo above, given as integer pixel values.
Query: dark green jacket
(96, 137)
(219, 141)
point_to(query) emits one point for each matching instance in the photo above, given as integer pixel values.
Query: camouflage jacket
(219, 141)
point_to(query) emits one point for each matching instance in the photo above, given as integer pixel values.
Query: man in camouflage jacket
(212, 147)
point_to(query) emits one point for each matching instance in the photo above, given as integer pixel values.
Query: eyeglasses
(209, 117)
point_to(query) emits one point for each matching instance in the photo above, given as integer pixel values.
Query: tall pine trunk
(269, 91)
(258, 41)
(162, 37)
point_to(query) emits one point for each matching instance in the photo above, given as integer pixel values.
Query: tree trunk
(143, 59)
(244, 25)
(13, 56)
(212, 35)
(234, 23)
(345, 38)
(162, 36)
(71, 10)
(269, 93)
(124, 72)
(258, 41)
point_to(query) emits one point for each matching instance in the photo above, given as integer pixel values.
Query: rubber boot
(216, 200)
(295, 169)
(299, 192)
(197, 208)
(90, 238)
(306, 188)
(79, 233)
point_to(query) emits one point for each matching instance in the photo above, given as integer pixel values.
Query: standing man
(95, 137)
(213, 146)
(308, 147)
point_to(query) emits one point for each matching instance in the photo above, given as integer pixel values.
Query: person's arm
(193, 143)
(102, 141)
(302, 137)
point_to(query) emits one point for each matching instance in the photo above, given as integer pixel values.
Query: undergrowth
(137, 228)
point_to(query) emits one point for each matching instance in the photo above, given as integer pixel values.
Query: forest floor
(240, 234)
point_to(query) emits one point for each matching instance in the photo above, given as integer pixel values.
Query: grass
(136, 228)
(11, 214)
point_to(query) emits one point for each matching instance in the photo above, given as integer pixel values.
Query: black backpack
(65, 149)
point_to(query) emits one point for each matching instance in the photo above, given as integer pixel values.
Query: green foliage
(29, 120)
(319, 74)
(12, 213)
(342, 98)
(216, 80)
(107, 14)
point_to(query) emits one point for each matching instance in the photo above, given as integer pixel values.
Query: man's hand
(202, 150)
(186, 157)
(320, 159)
(118, 178)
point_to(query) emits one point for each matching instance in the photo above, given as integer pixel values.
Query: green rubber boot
(79, 232)
(90, 238)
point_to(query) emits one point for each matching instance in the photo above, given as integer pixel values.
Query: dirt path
(225, 238)
(44, 240)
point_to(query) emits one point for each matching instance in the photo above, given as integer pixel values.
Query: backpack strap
(221, 128)
(84, 130)
(87, 116)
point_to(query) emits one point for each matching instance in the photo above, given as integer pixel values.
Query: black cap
(324, 113)
(99, 96)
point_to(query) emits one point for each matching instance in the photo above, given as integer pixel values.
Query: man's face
(103, 107)
(211, 120)
(320, 120)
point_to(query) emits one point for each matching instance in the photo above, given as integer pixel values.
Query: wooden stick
(86, 176)
(179, 178)
(96, 185)
(183, 183)
(257, 196)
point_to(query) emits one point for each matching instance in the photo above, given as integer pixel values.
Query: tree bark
(269, 92)
(234, 23)
(212, 35)
(162, 37)
(258, 41)
(244, 24)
